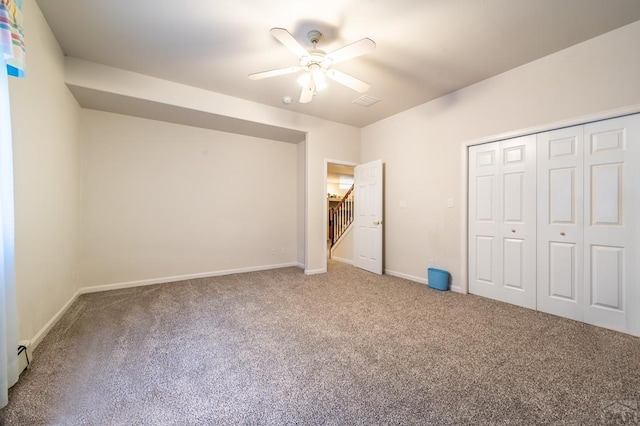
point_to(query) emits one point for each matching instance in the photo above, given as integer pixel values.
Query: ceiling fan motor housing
(314, 36)
(316, 57)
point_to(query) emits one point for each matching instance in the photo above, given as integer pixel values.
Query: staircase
(341, 217)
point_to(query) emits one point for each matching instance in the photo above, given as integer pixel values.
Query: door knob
(562, 233)
(378, 222)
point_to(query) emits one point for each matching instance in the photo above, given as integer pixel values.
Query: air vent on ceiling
(366, 101)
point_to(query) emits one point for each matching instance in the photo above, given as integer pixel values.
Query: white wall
(46, 159)
(302, 201)
(424, 167)
(325, 139)
(166, 200)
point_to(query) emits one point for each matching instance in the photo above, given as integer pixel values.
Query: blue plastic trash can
(438, 279)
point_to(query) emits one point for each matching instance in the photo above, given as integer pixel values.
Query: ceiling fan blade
(352, 50)
(290, 43)
(273, 73)
(347, 80)
(307, 92)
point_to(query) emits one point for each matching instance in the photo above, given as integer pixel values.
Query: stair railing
(341, 216)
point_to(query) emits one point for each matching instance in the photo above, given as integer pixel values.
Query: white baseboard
(340, 259)
(457, 289)
(140, 283)
(420, 280)
(35, 340)
(315, 271)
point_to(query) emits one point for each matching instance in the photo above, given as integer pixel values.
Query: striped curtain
(11, 36)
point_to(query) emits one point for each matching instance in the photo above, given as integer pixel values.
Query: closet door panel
(486, 271)
(502, 221)
(514, 264)
(485, 252)
(607, 277)
(563, 268)
(560, 222)
(562, 196)
(611, 231)
(518, 228)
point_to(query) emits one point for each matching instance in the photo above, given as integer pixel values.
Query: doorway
(338, 210)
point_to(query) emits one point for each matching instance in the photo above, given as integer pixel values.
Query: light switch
(403, 204)
(450, 203)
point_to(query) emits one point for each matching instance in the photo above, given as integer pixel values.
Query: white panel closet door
(485, 252)
(587, 240)
(502, 221)
(611, 231)
(560, 222)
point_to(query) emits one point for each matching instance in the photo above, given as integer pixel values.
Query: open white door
(368, 217)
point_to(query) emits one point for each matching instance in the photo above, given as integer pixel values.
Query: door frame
(328, 161)
(463, 287)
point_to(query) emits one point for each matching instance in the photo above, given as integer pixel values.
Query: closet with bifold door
(554, 222)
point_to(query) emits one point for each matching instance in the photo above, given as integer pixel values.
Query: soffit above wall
(143, 108)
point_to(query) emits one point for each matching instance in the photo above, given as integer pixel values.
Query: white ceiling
(425, 48)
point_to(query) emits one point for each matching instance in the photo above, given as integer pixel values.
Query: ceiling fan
(317, 64)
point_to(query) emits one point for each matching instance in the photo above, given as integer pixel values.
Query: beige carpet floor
(344, 348)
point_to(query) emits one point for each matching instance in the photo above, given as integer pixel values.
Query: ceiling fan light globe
(321, 86)
(303, 80)
(319, 79)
